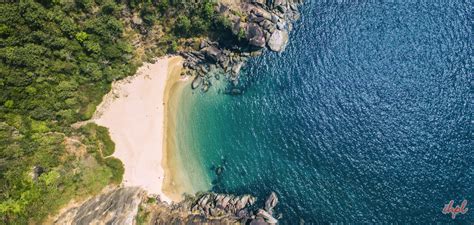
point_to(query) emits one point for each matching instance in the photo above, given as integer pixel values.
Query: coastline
(179, 178)
(134, 112)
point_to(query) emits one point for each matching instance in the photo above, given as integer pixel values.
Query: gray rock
(262, 13)
(267, 25)
(278, 40)
(242, 203)
(274, 18)
(205, 87)
(225, 201)
(281, 26)
(195, 84)
(212, 52)
(258, 19)
(255, 35)
(271, 202)
(219, 198)
(203, 44)
(225, 63)
(236, 69)
(204, 69)
(204, 199)
(294, 7)
(266, 216)
(267, 35)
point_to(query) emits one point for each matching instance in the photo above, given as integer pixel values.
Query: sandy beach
(177, 181)
(134, 113)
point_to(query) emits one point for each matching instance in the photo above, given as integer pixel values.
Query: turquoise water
(365, 118)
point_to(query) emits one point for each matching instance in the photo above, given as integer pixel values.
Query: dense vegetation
(57, 59)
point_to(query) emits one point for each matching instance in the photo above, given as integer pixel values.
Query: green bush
(117, 169)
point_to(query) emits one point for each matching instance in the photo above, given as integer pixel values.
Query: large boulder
(255, 35)
(271, 202)
(212, 52)
(236, 27)
(195, 84)
(278, 40)
(236, 68)
(266, 216)
(260, 12)
(244, 201)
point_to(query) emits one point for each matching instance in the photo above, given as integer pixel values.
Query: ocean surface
(366, 117)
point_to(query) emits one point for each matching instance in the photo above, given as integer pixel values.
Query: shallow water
(366, 117)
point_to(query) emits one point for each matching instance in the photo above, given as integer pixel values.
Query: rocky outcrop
(278, 40)
(214, 205)
(256, 25)
(117, 206)
(271, 202)
(255, 35)
(127, 205)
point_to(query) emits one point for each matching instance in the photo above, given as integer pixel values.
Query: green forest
(57, 60)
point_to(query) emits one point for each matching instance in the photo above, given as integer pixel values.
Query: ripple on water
(366, 117)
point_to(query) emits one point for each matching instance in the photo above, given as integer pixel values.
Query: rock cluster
(211, 205)
(215, 205)
(260, 23)
(125, 205)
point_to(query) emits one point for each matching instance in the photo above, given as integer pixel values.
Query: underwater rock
(196, 82)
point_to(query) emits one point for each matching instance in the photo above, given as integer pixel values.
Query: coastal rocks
(211, 204)
(126, 205)
(256, 25)
(278, 40)
(196, 82)
(255, 35)
(271, 202)
(237, 207)
(236, 68)
(267, 216)
(212, 52)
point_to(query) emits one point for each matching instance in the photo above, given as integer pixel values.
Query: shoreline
(174, 180)
(135, 112)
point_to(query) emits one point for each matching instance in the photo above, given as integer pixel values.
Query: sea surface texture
(365, 118)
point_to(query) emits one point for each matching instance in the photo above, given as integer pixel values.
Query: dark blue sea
(366, 117)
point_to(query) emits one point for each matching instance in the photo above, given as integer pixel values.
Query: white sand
(134, 113)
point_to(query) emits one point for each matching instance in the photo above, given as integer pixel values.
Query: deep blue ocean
(366, 117)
